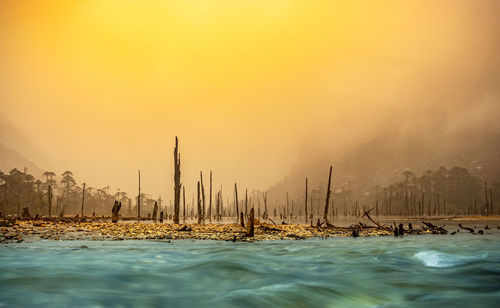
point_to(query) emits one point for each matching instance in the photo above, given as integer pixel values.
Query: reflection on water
(445, 271)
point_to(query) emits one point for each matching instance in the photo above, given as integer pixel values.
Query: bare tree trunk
(246, 202)
(210, 201)
(199, 204)
(202, 196)
(305, 204)
(49, 197)
(177, 181)
(139, 199)
(217, 207)
(287, 210)
(184, 204)
(116, 208)
(328, 191)
(83, 198)
(236, 202)
(155, 211)
(266, 213)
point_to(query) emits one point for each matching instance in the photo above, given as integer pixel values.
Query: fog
(256, 91)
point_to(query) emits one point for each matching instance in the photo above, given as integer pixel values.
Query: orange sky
(250, 87)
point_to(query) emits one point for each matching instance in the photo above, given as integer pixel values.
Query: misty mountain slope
(382, 160)
(10, 159)
(15, 139)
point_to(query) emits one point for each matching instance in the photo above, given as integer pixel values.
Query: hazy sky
(251, 88)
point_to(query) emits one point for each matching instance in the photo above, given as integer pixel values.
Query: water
(418, 271)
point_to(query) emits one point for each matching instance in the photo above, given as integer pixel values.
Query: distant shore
(33, 230)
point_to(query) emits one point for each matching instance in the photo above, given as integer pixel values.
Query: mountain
(382, 160)
(10, 159)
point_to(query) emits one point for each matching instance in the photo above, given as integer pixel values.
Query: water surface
(414, 271)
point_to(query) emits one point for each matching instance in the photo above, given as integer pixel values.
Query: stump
(116, 208)
(242, 222)
(155, 211)
(26, 213)
(250, 223)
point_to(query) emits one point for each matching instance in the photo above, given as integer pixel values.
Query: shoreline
(35, 230)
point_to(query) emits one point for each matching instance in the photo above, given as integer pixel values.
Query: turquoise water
(418, 271)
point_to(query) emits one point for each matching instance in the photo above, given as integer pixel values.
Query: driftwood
(435, 229)
(250, 224)
(185, 228)
(270, 220)
(366, 213)
(266, 228)
(466, 228)
(116, 208)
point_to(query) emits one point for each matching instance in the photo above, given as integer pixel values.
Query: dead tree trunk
(26, 213)
(184, 204)
(199, 204)
(83, 198)
(139, 199)
(328, 191)
(246, 202)
(116, 208)
(49, 197)
(242, 220)
(236, 201)
(266, 213)
(250, 224)
(155, 211)
(305, 204)
(202, 196)
(177, 181)
(210, 201)
(217, 207)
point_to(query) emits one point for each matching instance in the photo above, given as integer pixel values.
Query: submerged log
(116, 208)
(250, 224)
